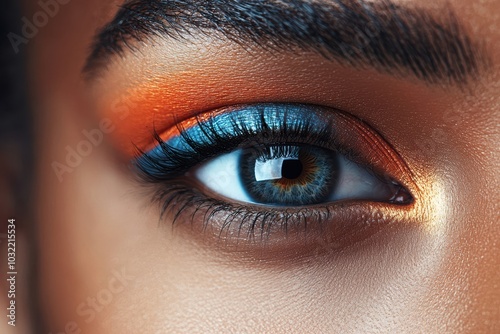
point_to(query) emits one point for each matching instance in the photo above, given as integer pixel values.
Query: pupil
(291, 169)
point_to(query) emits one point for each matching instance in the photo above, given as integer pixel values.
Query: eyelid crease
(390, 153)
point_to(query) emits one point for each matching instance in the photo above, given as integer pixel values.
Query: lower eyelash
(176, 199)
(264, 232)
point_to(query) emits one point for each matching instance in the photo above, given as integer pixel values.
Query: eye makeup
(164, 95)
(271, 132)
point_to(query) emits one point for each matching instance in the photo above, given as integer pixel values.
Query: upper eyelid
(376, 152)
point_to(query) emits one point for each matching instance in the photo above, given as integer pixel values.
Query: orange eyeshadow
(159, 107)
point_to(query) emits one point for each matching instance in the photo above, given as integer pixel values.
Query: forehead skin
(443, 279)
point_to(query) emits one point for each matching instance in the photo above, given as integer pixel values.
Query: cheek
(84, 224)
(108, 266)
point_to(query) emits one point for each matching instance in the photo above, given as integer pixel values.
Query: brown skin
(435, 270)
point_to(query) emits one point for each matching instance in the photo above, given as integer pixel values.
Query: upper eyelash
(274, 152)
(170, 162)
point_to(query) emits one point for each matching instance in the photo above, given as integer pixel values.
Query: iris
(289, 174)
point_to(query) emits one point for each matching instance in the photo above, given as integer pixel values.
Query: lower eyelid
(265, 233)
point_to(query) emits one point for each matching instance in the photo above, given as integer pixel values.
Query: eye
(271, 169)
(291, 175)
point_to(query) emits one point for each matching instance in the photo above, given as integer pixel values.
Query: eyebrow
(394, 39)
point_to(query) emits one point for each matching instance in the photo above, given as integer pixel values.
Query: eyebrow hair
(390, 38)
